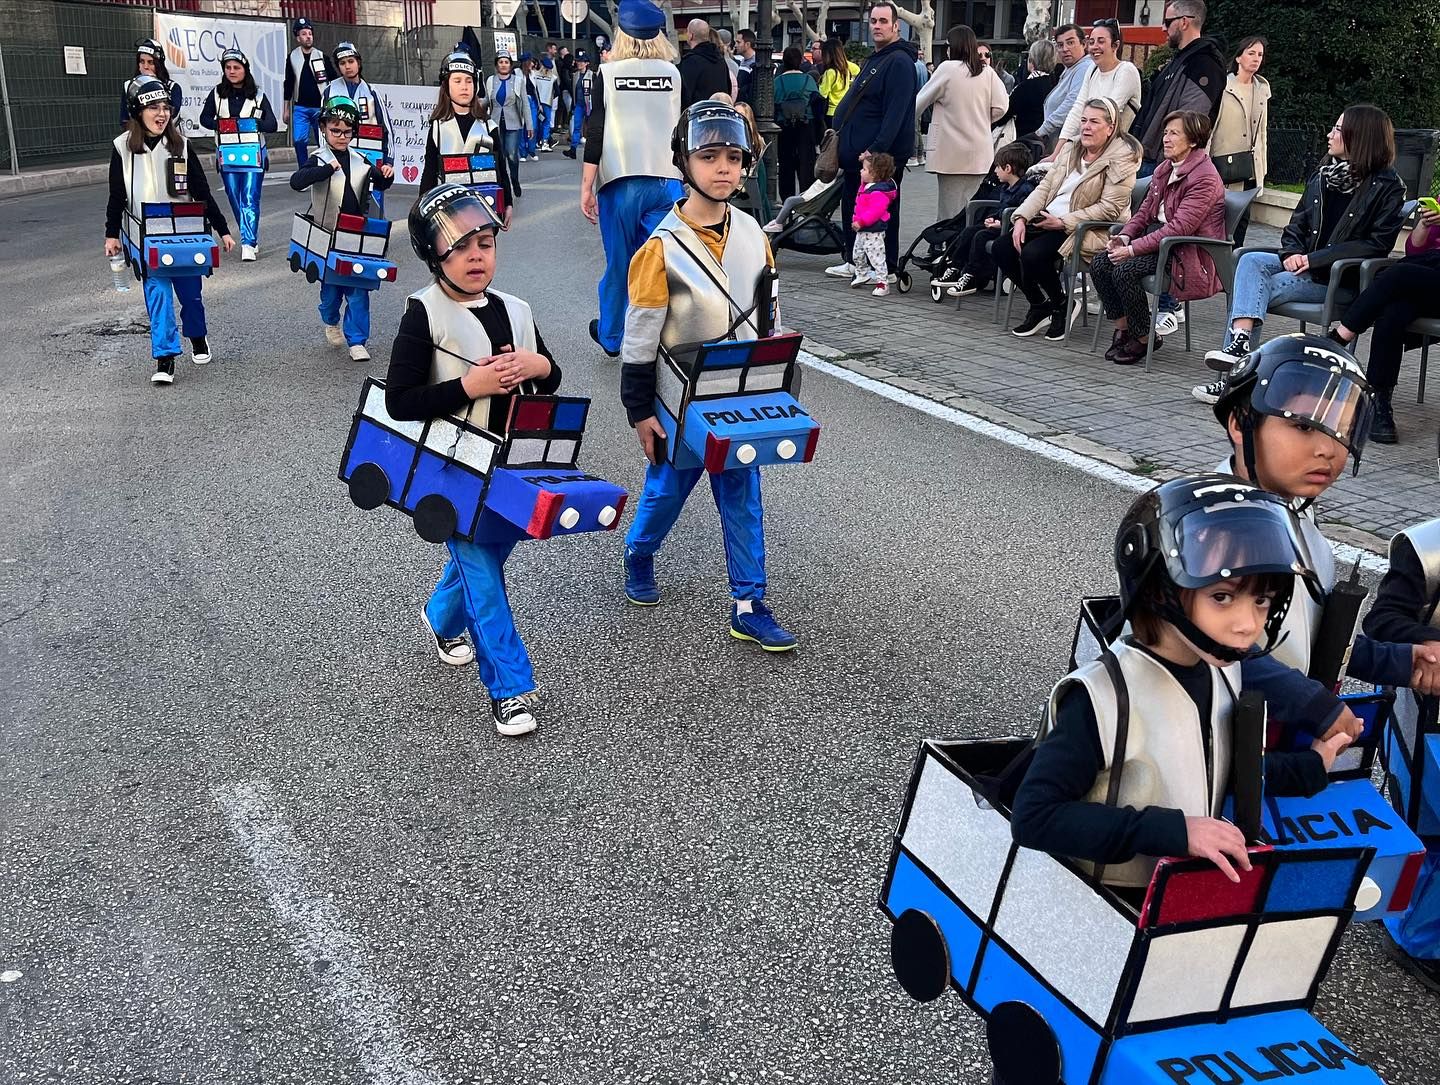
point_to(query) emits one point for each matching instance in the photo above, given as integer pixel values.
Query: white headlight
(569, 518)
(745, 453)
(199, 257)
(785, 449)
(167, 259)
(606, 517)
(1367, 896)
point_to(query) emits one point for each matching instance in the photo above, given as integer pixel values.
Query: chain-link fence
(1295, 154)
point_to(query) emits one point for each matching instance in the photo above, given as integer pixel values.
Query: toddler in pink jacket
(878, 193)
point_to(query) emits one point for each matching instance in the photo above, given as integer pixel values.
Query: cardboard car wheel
(312, 273)
(919, 956)
(1022, 1046)
(369, 486)
(294, 261)
(435, 519)
(904, 282)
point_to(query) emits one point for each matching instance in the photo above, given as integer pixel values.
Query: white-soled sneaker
(882, 290)
(456, 651)
(1169, 321)
(334, 336)
(164, 370)
(512, 716)
(249, 252)
(199, 349)
(1209, 393)
(862, 279)
(358, 353)
(841, 271)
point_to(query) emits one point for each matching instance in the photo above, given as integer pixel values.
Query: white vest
(327, 199)
(146, 178)
(447, 139)
(364, 97)
(1165, 758)
(249, 108)
(1425, 538)
(456, 329)
(642, 107)
(317, 69)
(698, 311)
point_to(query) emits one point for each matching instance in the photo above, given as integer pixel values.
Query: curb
(1143, 471)
(54, 180)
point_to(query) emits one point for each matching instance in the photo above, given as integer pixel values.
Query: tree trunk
(540, 18)
(922, 22)
(1037, 19)
(817, 31)
(668, 7)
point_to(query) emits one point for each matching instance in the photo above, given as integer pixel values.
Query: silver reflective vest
(327, 199)
(642, 107)
(707, 295)
(1425, 538)
(459, 332)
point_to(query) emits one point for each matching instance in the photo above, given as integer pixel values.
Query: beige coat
(1241, 127)
(965, 104)
(1102, 194)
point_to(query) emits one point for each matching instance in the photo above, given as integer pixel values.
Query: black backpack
(793, 110)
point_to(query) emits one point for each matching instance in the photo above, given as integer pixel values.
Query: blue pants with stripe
(304, 126)
(471, 596)
(742, 519)
(243, 187)
(357, 311)
(160, 295)
(630, 209)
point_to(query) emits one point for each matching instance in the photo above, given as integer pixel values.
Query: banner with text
(408, 109)
(193, 44)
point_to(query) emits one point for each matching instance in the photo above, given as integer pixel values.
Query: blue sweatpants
(577, 127)
(742, 519)
(630, 209)
(1417, 932)
(471, 596)
(160, 295)
(357, 310)
(304, 125)
(243, 187)
(528, 144)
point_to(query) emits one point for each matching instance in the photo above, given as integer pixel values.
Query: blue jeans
(1261, 281)
(1417, 932)
(243, 188)
(304, 124)
(511, 142)
(471, 596)
(630, 208)
(357, 310)
(742, 523)
(577, 128)
(160, 295)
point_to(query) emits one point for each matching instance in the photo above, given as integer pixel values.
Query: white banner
(193, 44)
(408, 109)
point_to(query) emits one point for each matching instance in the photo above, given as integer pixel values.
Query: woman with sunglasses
(1112, 78)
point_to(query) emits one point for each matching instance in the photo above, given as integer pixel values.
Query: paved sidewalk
(1146, 422)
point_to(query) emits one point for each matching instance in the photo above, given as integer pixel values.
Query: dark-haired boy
(968, 266)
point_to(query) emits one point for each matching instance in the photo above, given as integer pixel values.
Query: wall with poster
(193, 44)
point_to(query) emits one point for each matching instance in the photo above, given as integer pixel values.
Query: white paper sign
(408, 110)
(75, 60)
(507, 42)
(193, 44)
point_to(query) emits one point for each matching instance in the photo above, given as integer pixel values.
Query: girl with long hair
(240, 157)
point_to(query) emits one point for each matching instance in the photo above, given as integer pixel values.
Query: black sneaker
(595, 335)
(455, 651)
(164, 370)
(1055, 333)
(1034, 320)
(569, 152)
(199, 349)
(1209, 393)
(512, 716)
(967, 285)
(1237, 345)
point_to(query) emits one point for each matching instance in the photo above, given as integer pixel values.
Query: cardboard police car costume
(372, 137)
(240, 115)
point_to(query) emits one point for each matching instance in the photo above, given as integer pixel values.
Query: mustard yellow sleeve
(647, 283)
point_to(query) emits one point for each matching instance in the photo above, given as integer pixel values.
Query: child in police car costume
(308, 72)
(462, 351)
(149, 64)
(340, 181)
(236, 96)
(460, 125)
(351, 84)
(677, 297)
(1407, 611)
(153, 163)
(1207, 567)
(629, 181)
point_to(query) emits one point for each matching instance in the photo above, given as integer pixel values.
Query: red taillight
(370, 131)
(229, 125)
(1405, 884)
(187, 210)
(810, 443)
(717, 451)
(351, 223)
(214, 255)
(542, 519)
(455, 164)
(154, 257)
(619, 509)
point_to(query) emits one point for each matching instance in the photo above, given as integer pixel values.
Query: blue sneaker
(761, 627)
(640, 587)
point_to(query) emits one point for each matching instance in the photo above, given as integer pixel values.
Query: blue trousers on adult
(511, 143)
(577, 128)
(243, 187)
(630, 209)
(742, 519)
(1417, 932)
(304, 126)
(160, 295)
(357, 311)
(471, 596)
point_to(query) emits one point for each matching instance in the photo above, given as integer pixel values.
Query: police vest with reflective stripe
(456, 329)
(642, 106)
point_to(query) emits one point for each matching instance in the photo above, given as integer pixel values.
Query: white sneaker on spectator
(882, 290)
(864, 278)
(772, 227)
(841, 271)
(1169, 321)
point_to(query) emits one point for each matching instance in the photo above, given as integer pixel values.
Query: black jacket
(1369, 227)
(879, 108)
(703, 72)
(1194, 80)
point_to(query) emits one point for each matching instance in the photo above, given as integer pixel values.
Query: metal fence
(1295, 154)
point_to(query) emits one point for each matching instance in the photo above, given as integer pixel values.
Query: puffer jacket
(1194, 207)
(1102, 194)
(1369, 228)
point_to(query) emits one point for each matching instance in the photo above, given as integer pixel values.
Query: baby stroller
(810, 228)
(938, 238)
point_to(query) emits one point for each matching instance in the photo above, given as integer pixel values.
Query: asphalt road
(253, 831)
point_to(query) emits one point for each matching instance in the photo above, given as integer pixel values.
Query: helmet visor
(721, 128)
(1327, 396)
(1225, 541)
(456, 221)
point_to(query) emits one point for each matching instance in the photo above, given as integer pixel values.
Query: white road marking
(316, 932)
(1127, 480)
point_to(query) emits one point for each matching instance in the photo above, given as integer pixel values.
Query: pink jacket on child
(872, 205)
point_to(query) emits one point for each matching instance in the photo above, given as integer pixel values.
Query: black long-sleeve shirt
(1050, 813)
(320, 173)
(430, 173)
(309, 92)
(595, 123)
(409, 395)
(265, 122)
(1401, 600)
(199, 191)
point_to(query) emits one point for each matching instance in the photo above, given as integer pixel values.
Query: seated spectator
(1351, 208)
(968, 266)
(1186, 197)
(1399, 295)
(1092, 181)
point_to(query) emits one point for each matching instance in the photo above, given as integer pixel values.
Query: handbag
(1235, 168)
(827, 161)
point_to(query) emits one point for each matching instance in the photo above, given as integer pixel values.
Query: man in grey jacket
(1070, 47)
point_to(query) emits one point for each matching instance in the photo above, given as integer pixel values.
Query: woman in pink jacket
(1186, 198)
